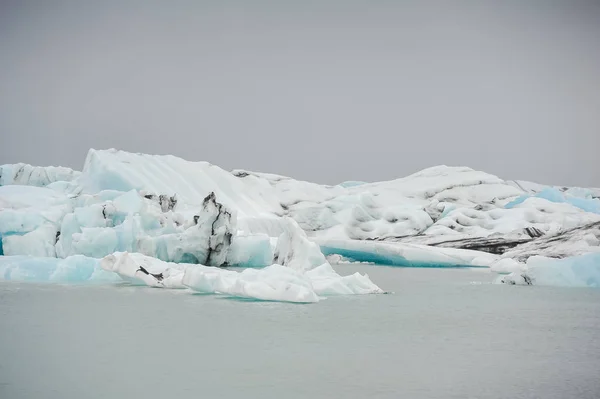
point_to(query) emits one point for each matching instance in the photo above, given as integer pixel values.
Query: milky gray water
(442, 334)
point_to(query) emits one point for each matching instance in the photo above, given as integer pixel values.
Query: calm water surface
(442, 334)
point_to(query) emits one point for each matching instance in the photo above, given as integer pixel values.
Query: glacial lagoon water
(441, 334)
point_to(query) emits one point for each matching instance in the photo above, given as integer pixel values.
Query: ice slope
(40, 176)
(289, 192)
(532, 188)
(191, 182)
(580, 198)
(547, 217)
(567, 243)
(383, 210)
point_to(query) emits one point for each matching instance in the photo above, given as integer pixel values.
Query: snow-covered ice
(185, 221)
(28, 175)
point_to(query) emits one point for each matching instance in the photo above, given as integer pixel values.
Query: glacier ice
(578, 197)
(30, 219)
(24, 174)
(170, 217)
(575, 271)
(406, 255)
(169, 175)
(272, 283)
(250, 250)
(77, 268)
(300, 274)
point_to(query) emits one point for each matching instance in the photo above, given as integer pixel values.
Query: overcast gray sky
(322, 91)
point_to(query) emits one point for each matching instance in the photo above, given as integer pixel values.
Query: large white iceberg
(184, 221)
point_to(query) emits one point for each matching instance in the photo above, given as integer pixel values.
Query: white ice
(406, 255)
(156, 206)
(576, 271)
(24, 174)
(74, 269)
(272, 283)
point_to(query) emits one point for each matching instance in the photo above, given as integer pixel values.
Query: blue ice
(575, 271)
(555, 195)
(74, 269)
(380, 257)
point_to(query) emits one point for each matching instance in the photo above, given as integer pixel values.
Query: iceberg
(24, 174)
(576, 271)
(168, 175)
(579, 198)
(405, 255)
(29, 220)
(74, 269)
(272, 283)
(162, 221)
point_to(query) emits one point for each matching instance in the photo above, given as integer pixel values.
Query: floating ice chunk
(140, 269)
(273, 283)
(278, 283)
(326, 282)
(407, 255)
(576, 271)
(74, 269)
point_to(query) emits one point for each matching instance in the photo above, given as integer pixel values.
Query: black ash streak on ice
(166, 203)
(157, 276)
(223, 216)
(214, 222)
